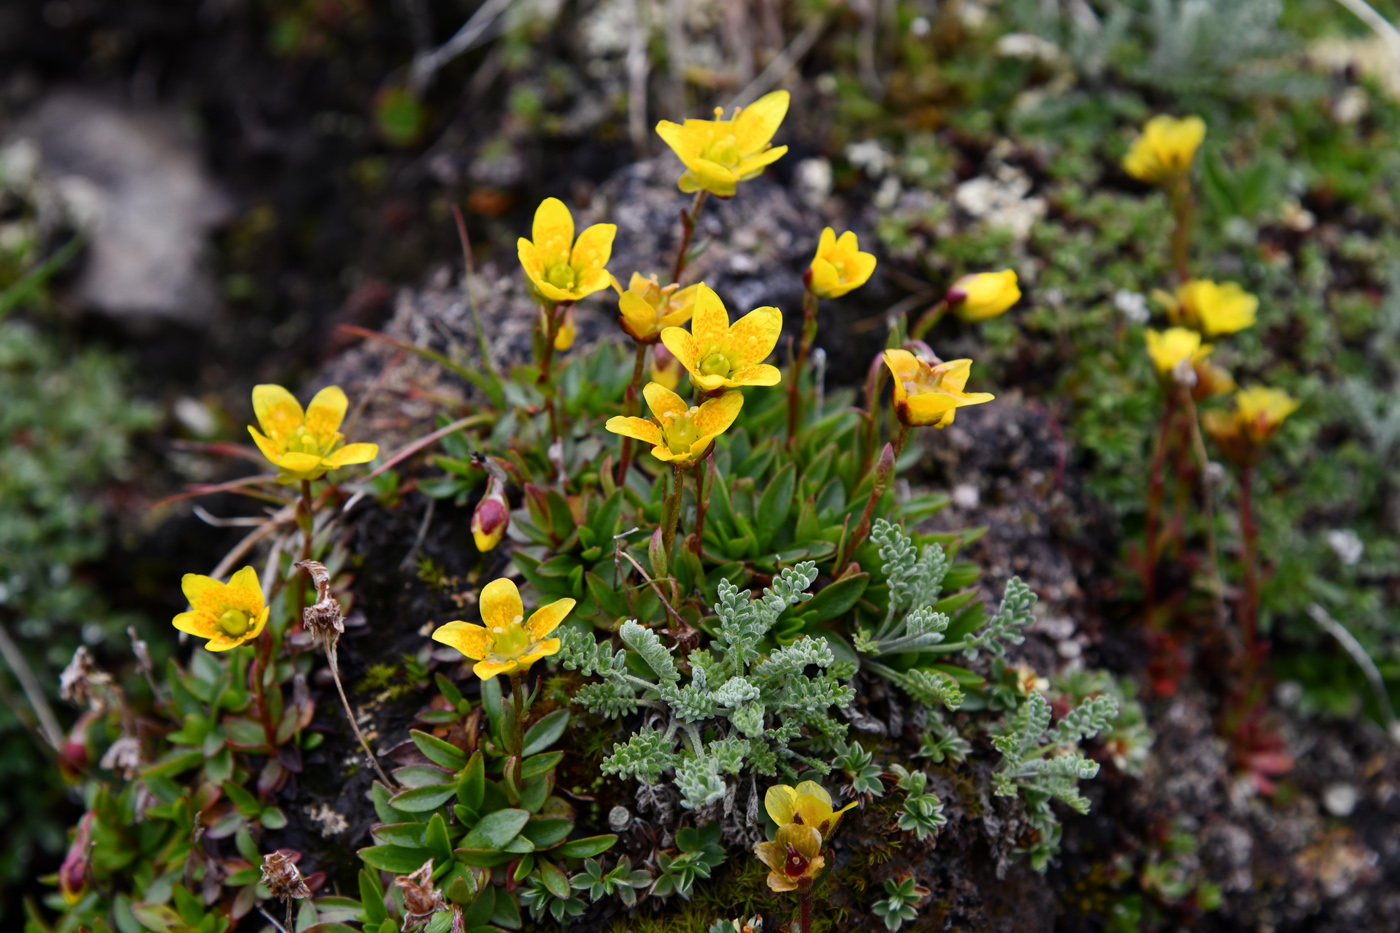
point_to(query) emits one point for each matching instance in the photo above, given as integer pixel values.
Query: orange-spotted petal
(640, 428)
(756, 123)
(277, 411)
(683, 346)
(352, 453)
(717, 414)
(474, 641)
(500, 603)
(709, 321)
(594, 248)
(244, 592)
(553, 232)
(753, 337)
(547, 618)
(761, 374)
(662, 400)
(205, 594)
(326, 412)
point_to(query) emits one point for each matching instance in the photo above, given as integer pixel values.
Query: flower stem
(703, 478)
(1183, 205)
(673, 507)
(306, 519)
(809, 334)
(1250, 531)
(688, 219)
(629, 407)
(929, 318)
(1198, 445)
(804, 910)
(553, 314)
(517, 751)
(1156, 491)
(349, 713)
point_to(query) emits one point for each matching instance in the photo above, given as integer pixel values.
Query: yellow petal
(662, 400)
(928, 407)
(277, 411)
(300, 463)
(546, 648)
(761, 374)
(352, 453)
(201, 624)
(709, 320)
(554, 293)
(903, 365)
(500, 603)
(826, 241)
(530, 260)
(593, 281)
(781, 803)
(244, 592)
(204, 593)
(593, 248)
(326, 412)
(268, 448)
(639, 317)
(553, 232)
(673, 135)
(547, 618)
(756, 123)
(753, 336)
(485, 670)
(472, 640)
(683, 347)
(717, 414)
(751, 166)
(639, 428)
(813, 789)
(825, 281)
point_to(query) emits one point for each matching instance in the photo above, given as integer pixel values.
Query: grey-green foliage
(913, 625)
(922, 812)
(742, 707)
(897, 907)
(1041, 763)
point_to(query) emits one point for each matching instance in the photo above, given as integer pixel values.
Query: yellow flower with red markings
(560, 268)
(984, 295)
(679, 433)
(839, 265)
(1165, 149)
(794, 857)
(227, 614)
(807, 804)
(1213, 308)
(930, 394)
(720, 356)
(304, 445)
(506, 642)
(648, 308)
(1175, 349)
(720, 153)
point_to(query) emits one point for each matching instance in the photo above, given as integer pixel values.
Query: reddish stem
(687, 231)
(1249, 609)
(1156, 492)
(629, 407)
(809, 334)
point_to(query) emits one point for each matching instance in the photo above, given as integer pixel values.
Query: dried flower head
(839, 266)
(679, 433)
(83, 683)
(324, 619)
(507, 643)
(720, 153)
(560, 268)
(123, 757)
(1165, 149)
(930, 394)
(720, 356)
(282, 877)
(420, 899)
(228, 614)
(304, 445)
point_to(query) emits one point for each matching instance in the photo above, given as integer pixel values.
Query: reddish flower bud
(73, 873)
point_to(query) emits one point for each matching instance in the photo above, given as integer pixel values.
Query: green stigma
(561, 276)
(716, 364)
(234, 623)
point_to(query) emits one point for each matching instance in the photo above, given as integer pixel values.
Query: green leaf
(244, 733)
(423, 799)
(836, 598)
(496, 829)
(540, 764)
(587, 847)
(372, 898)
(471, 786)
(273, 818)
(555, 881)
(547, 831)
(546, 732)
(412, 835)
(437, 840)
(158, 918)
(439, 751)
(491, 699)
(400, 860)
(773, 507)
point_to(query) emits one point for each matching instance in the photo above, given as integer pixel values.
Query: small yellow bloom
(1261, 411)
(304, 445)
(925, 394)
(839, 265)
(679, 434)
(228, 614)
(984, 296)
(807, 804)
(719, 356)
(560, 268)
(1171, 348)
(720, 153)
(1214, 309)
(490, 520)
(794, 857)
(1165, 149)
(507, 642)
(567, 330)
(665, 368)
(648, 308)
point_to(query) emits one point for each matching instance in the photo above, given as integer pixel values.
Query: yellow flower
(566, 332)
(839, 265)
(507, 642)
(719, 356)
(304, 445)
(1165, 149)
(720, 153)
(648, 308)
(984, 295)
(228, 614)
(1215, 309)
(560, 268)
(1173, 347)
(665, 368)
(1261, 411)
(807, 804)
(679, 434)
(794, 857)
(925, 394)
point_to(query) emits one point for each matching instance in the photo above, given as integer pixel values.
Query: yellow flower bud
(983, 296)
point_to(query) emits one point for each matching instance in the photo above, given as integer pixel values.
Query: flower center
(510, 641)
(795, 865)
(724, 150)
(303, 442)
(561, 276)
(234, 622)
(716, 364)
(680, 430)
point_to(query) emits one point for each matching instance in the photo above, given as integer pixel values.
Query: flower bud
(567, 330)
(983, 296)
(665, 368)
(492, 515)
(73, 873)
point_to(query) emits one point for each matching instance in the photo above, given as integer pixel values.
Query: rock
(134, 181)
